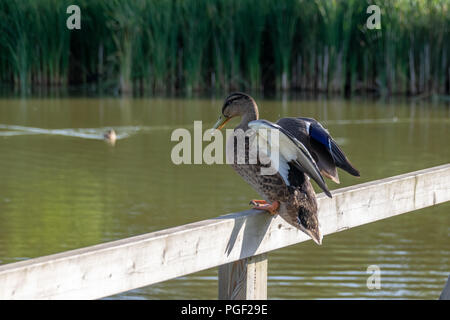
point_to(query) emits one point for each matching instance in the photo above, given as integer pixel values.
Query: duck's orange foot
(264, 205)
(258, 202)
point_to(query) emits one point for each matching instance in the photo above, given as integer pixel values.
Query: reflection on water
(62, 187)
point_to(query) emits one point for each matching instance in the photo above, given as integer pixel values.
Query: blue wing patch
(319, 134)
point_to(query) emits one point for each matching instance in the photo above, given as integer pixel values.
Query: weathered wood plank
(122, 265)
(245, 279)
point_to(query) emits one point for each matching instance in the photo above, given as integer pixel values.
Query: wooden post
(245, 279)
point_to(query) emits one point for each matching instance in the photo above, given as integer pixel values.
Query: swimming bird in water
(110, 137)
(305, 150)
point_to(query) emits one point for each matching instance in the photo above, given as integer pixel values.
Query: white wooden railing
(237, 243)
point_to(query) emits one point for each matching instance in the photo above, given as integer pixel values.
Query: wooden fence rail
(236, 242)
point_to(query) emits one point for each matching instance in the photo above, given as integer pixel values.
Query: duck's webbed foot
(258, 202)
(264, 205)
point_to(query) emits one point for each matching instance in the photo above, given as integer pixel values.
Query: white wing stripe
(290, 149)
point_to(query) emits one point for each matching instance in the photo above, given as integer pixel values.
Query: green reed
(159, 44)
(188, 45)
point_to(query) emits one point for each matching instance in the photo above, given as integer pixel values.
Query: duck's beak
(221, 122)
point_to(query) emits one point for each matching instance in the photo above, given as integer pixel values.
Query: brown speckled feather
(295, 194)
(300, 194)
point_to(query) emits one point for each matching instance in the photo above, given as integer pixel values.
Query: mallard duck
(306, 150)
(110, 137)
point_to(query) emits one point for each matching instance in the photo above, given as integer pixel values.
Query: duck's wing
(321, 145)
(292, 153)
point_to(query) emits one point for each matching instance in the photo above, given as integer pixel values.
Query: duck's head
(309, 224)
(237, 104)
(110, 136)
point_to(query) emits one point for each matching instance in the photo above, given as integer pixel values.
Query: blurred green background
(173, 46)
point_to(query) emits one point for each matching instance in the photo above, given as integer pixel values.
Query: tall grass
(34, 43)
(188, 45)
(283, 17)
(252, 16)
(159, 44)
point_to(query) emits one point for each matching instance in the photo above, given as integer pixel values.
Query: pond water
(62, 187)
